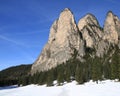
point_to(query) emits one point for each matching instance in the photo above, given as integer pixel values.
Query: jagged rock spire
(110, 28)
(53, 31)
(88, 19)
(91, 30)
(64, 38)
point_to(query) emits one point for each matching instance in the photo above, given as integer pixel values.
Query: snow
(104, 88)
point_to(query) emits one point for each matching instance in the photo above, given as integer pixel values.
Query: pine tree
(79, 74)
(60, 75)
(67, 73)
(107, 70)
(85, 72)
(115, 65)
(96, 69)
(50, 77)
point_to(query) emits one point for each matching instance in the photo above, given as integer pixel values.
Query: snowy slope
(104, 88)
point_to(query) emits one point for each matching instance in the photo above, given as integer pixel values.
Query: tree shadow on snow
(8, 87)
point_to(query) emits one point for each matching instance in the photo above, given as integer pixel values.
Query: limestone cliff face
(66, 37)
(92, 34)
(90, 29)
(63, 40)
(111, 28)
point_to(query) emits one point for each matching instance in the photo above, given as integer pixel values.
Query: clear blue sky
(25, 24)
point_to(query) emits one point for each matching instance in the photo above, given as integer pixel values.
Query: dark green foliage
(86, 71)
(24, 81)
(115, 64)
(42, 77)
(50, 77)
(79, 74)
(97, 69)
(92, 68)
(67, 72)
(12, 75)
(107, 70)
(60, 76)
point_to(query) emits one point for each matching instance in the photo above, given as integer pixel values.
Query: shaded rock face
(66, 37)
(92, 33)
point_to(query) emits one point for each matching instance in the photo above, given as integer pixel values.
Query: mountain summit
(68, 39)
(64, 38)
(112, 28)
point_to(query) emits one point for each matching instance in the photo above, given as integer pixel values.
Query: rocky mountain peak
(66, 12)
(117, 25)
(66, 23)
(59, 28)
(64, 38)
(110, 30)
(91, 31)
(89, 19)
(67, 39)
(110, 13)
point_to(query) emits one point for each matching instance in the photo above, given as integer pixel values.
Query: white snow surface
(103, 88)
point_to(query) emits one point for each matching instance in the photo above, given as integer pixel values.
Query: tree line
(93, 68)
(12, 75)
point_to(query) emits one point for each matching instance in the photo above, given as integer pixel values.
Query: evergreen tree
(50, 77)
(60, 76)
(85, 72)
(79, 74)
(107, 70)
(67, 73)
(115, 65)
(96, 69)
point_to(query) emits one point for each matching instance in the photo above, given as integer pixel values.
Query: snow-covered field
(104, 88)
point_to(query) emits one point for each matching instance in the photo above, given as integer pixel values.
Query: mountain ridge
(66, 36)
(81, 52)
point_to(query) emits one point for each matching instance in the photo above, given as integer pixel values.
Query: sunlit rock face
(92, 34)
(111, 28)
(66, 37)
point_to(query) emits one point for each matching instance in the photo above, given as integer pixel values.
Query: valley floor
(104, 88)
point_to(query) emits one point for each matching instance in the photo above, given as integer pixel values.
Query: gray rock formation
(91, 30)
(63, 40)
(92, 34)
(111, 28)
(66, 37)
